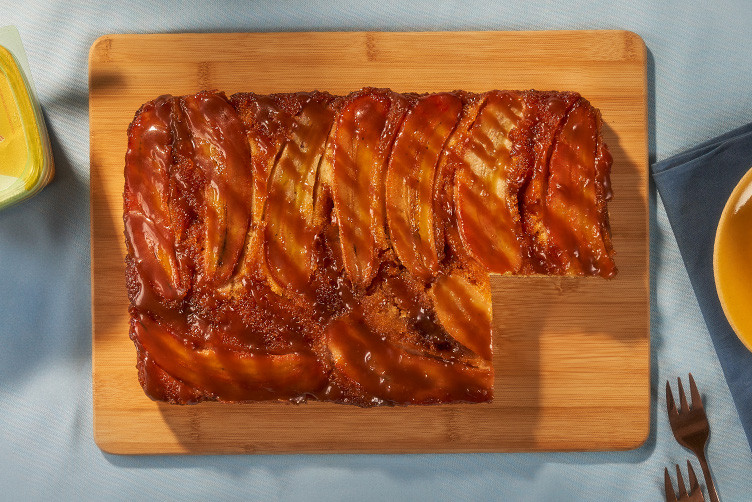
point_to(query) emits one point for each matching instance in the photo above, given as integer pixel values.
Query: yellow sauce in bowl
(732, 259)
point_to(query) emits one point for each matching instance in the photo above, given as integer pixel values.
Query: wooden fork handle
(708, 478)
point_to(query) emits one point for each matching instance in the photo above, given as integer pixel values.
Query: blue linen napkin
(694, 187)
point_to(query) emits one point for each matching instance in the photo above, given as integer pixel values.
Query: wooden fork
(691, 428)
(695, 493)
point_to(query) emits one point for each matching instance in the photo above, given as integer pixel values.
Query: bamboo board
(571, 355)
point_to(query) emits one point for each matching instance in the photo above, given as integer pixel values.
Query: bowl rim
(743, 183)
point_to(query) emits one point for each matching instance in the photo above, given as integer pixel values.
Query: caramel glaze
(362, 143)
(147, 218)
(411, 178)
(221, 155)
(293, 217)
(307, 246)
(487, 186)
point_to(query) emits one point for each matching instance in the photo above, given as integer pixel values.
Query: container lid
(25, 158)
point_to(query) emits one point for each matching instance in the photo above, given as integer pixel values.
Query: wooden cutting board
(571, 355)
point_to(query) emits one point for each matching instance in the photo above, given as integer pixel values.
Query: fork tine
(696, 399)
(680, 481)
(670, 494)
(670, 399)
(682, 397)
(693, 484)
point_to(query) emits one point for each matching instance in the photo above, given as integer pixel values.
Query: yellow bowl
(732, 260)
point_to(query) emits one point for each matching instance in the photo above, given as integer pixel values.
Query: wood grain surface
(571, 355)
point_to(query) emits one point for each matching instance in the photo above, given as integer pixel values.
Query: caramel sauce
(268, 120)
(222, 154)
(463, 308)
(372, 371)
(410, 181)
(162, 386)
(226, 374)
(550, 110)
(146, 216)
(291, 220)
(363, 140)
(571, 217)
(306, 246)
(486, 192)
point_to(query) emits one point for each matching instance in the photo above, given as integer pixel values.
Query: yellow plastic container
(26, 164)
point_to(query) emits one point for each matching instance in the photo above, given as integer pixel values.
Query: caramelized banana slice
(221, 153)
(410, 180)
(573, 214)
(292, 219)
(372, 370)
(160, 385)
(547, 112)
(486, 185)
(226, 374)
(464, 310)
(362, 139)
(448, 238)
(267, 120)
(148, 230)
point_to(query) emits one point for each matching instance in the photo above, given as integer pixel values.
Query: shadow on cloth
(48, 312)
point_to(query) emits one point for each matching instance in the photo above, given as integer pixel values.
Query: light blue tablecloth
(700, 86)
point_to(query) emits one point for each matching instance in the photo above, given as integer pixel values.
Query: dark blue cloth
(694, 187)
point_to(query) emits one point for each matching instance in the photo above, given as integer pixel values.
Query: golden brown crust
(307, 246)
